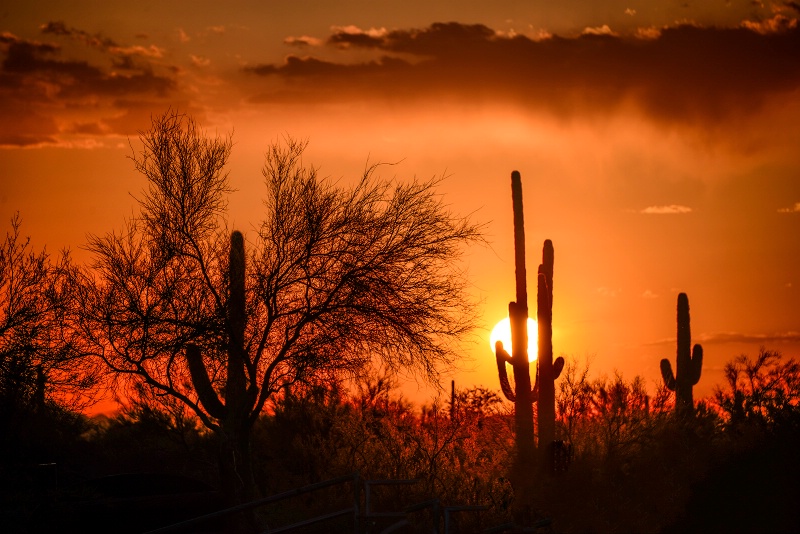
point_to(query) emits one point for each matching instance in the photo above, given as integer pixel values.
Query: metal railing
(363, 519)
(355, 509)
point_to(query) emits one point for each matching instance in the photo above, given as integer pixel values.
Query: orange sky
(657, 141)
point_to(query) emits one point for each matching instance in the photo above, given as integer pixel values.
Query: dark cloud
(439, 40)
(73, 78)
(39, 79)
(302, 42)
(685, 73)
(23, 125)
(311, 67)
(29, 57)
(88, 128)
(61, 29)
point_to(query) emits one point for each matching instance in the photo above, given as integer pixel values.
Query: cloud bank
(76, 82)
(683, 74)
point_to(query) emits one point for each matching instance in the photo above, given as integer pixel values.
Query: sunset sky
(658, 141)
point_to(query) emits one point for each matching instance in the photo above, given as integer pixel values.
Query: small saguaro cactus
(689, 365)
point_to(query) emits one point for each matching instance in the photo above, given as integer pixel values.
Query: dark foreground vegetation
(635, 466)
(247, 368)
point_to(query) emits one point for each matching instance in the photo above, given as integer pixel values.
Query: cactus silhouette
(688, 365)
(236, 385)
(547, 370)
(518, 315)
(233, 413)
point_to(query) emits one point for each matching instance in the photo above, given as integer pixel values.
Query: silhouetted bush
(635, 466)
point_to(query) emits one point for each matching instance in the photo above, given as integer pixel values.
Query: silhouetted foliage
(37, 358)
(634, 466)
(196, 323)
(751, 485)
(763, 392)
(42, 377)
(321, 432)
(335, 278)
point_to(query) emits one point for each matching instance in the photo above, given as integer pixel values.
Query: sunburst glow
(502, 332)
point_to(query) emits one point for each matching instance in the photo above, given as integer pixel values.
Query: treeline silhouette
(634, 466)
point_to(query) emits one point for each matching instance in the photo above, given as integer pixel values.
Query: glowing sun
(502, 332)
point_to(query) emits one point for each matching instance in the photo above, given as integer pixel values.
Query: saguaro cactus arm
(502, 358)
(202, 384)
(558, 366)
(696, 364)
(667, 374)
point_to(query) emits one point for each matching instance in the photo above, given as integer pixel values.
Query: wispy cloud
(738, 337)
(608, 291)
(647, 294)
(199, 61)
(793, 209)
(778, 23)
(599, 30)
(671, 209)
(303, 40)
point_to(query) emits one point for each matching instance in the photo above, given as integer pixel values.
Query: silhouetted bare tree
(37, 359)
(332, 278)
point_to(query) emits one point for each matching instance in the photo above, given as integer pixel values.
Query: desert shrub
(761, 393)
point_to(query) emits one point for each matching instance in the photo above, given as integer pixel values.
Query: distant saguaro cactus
(547, 370)
(689, 365)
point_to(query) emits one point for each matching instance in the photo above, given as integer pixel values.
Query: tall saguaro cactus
(518, 315)
(232, 414)
(689, 365)
(548, 370)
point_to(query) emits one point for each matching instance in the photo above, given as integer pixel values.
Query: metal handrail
(355, 509)
(306, 522)
(260, 502)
